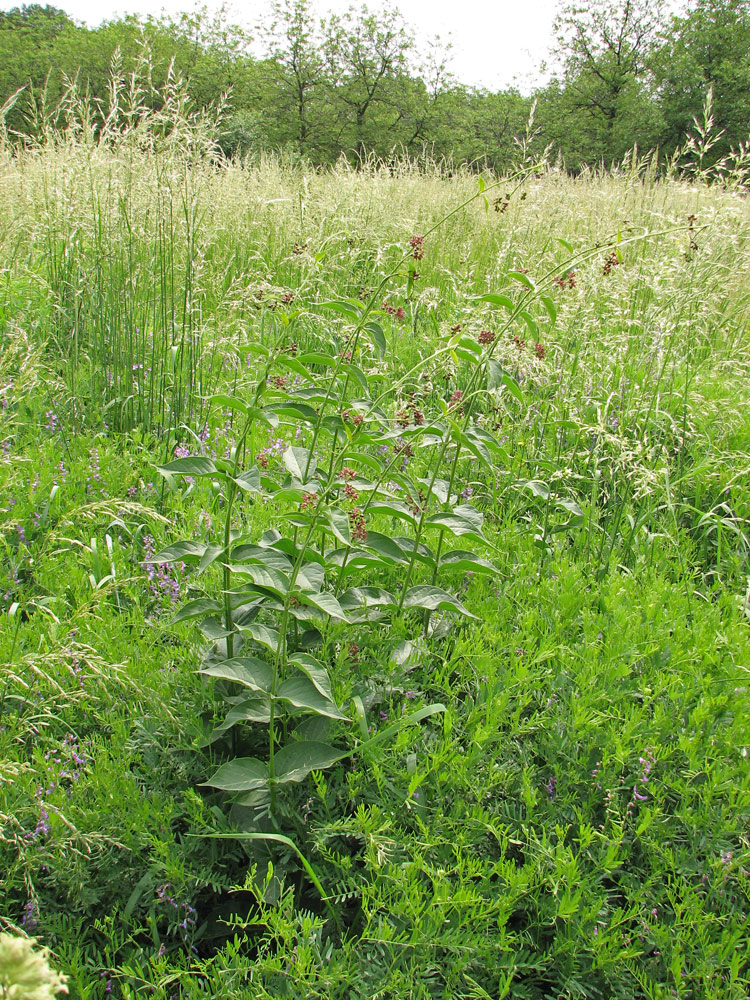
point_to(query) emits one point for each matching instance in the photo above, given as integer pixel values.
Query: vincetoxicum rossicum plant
(324, 562)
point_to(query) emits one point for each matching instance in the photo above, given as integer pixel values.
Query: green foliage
(356, 84)
(500, 695)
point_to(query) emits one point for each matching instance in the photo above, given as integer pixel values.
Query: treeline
(625, 74)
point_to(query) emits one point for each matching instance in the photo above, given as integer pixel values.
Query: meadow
(374, 580)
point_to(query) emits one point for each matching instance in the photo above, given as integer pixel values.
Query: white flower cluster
(25, 972)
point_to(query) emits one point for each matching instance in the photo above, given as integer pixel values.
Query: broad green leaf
(179, 552)
(213, 629)
(239, 775)
(433, 599)
(262, 634)
(311, 577)
(460, 559)
(302, 693)
(338, 521)
(477, 448)
(195, 465)
(367, 597)
(249, 481)
(549, 305)
(262, 554)
(523, 278)
(385, 547)
(297, 759)
(317, 358)
(252, 710)
(352, 312)
(514, 388)
(324, 601)
(315, 670)
(300, 411)
(194, 609)
(410, 547)
(378, 338)
(494, 374)
(530, 323)
(362, 458)
(352, 559)
(397, 508)
(463, 520)
(495, 300)
(212, 553)
(248, 671)
(299, 463)
(535, 486)
(262, 576)
(229, 402)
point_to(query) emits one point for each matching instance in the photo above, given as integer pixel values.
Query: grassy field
(374, 579)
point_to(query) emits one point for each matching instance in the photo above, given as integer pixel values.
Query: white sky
(495, 44)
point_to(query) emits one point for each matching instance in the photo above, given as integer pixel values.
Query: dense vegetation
(624, 74)
(374, 579)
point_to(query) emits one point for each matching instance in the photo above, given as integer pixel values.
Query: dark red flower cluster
(347, 474)
(350, 493)
(399, 313)
(280, 381)
(454, 403)
(299, 248)
(519, 342)
(288, 298)
(486, 337)
(540, 350)
(417, 247)
(357, 525)
(564, 281)
(611, 261)
(308, 500)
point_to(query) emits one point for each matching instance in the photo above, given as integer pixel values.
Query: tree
(368, 58)
(604, 98)
(28, 38)
(296, 77)
(709, 46)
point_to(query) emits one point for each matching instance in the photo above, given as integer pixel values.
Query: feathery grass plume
(25, 972)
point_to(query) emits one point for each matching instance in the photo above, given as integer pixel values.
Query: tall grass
(574, 825)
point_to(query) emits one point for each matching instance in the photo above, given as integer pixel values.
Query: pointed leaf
(194, 465)
(298, 463)
(194, 609)
(315, 670)
(523, 278)
(302, 693)
(385, 547)
(295, 760)
(495, 300)
(262, 554)
(378, 338)
(339, 524)
(262, 634)
(324, 601)
(251, 710)
(249, 481)
(469, 562)
(239, 775)
(262, 576)
(434, 598)
(246, 670)
(179, 552)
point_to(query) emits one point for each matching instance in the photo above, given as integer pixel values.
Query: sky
(496, 43)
